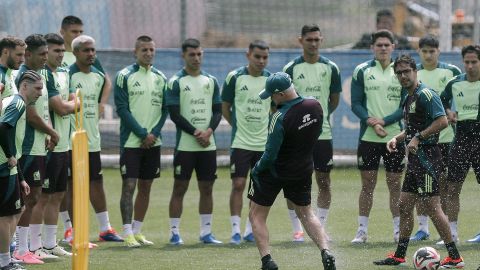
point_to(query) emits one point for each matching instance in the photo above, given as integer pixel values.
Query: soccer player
(248, 116)
(317, 76)
(72, 27)
(463, 92)
(287, 164)
(90, 81)
(39, 135)
(12, 55)
(139, 98)
(375, 99)
(55, 184)
(424, 117)
(193, 100)
(12, 184)
(435, 75)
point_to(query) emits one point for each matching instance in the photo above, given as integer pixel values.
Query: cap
(277, 82)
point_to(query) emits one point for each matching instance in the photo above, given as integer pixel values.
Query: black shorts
(242, 160)
(204, 163)
(265, 189)
(445, 150)
(464, 152)
(11, 199)
(423, 171)
(57, 172)
(323, 156)
(34, 169)
(95, 166)
(369, 154)
(140, 163)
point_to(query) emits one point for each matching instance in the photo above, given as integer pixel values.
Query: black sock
(452, 250)
(266, 259)
(402, 247)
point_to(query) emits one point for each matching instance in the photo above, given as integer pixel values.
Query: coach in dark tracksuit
(287, 164)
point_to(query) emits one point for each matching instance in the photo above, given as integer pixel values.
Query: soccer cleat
(455, 238)
(449, 263)
(27, 258)
(236, 239)
(360, 237)
(12, 266)
(420, 236)
(142, 240)
(270, 265)
(57, 251)
(13, 259)
(249, 238)
(110, 236)
(43, 255)
(209, 239)
(298, 237)
(391, 260)
(475, 239)
(90, 245)
(67, 236)
(131, 242)
(176, 239)
(328, 260)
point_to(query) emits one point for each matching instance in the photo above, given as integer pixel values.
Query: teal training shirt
(90, 86)
(140, 101)
(376, 92)
(34, 142)
(317, 80)
(13, 114)
(437, 79)
(249, 113)
(195, 96)
(464, 95)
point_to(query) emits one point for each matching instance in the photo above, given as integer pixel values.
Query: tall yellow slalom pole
(81, 182)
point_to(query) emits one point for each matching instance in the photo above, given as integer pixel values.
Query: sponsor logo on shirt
(307, 121)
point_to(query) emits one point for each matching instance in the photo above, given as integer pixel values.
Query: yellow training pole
(81, 182)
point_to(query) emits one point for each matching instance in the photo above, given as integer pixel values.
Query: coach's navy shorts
(369, 154)
(423, 171)
(140, 163)
(241, 161)
(204, 163)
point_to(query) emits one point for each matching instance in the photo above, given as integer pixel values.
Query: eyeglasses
(380, 45)
(401, 73)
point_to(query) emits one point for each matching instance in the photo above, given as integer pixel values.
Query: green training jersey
(318, 80)
(7, 78)
(464, 96)
(140, 102)
(90, 86)
(376, 92)
(437, 79)
(34, 142)
(58, 84)
(13, 114)
(249, 117)
(195, 95)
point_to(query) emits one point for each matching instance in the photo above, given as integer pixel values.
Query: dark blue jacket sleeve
(158, 127)
(358, 97)
(274, 142)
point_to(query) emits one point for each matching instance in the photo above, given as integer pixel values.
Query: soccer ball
(426, 258)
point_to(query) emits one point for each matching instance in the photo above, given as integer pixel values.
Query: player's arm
(55, 101)
(446, 97)
(106, 88)
(227, 111)
(228, 96)
(335, 89)
(357, 98)
(5, 133)
(37, 123)
(398, 113)
(274, 142)
(434, 109)
(204, 137)
(158, 127)
(173, 104)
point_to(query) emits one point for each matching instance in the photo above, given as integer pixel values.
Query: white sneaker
(42, 255)
(360, 238)
(57, 251)
(455, 238)
(396, 236)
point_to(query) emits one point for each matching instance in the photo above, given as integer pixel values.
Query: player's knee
(238, 186)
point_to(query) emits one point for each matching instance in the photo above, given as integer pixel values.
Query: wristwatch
(419, 135)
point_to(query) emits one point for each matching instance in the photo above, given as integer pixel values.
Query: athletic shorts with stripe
(423, 171)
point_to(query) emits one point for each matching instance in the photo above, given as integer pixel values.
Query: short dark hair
(383, 34)
(307, 28)
(406, 59)
(471, 49)
(11, 43)
(430, 41)
(54, 38)
(190, 43)
(71, 20)
(384, 13)
(262, 45)
(34, 42)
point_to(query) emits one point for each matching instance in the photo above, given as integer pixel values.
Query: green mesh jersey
(139, 98)
(34, 141)
(376, 92)
(317, 80)
(249, 113)
(464, 95)
(8, 80)
(13, 114)
(90, 86)
(195, 96)
(58, 84)
(437, 79)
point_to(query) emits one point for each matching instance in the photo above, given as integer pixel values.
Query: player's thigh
(206, 165)
(57, 172)
(34, 169)
(323, 156)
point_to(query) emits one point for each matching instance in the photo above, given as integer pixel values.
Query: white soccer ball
(426, 258)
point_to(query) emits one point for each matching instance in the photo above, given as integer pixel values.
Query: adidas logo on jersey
(186, 88)
(244, 88)
(79, 85)
(371, 77)
(460, 94)
(301, 76)
(136, 84)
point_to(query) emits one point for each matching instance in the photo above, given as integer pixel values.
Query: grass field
(341, 226)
